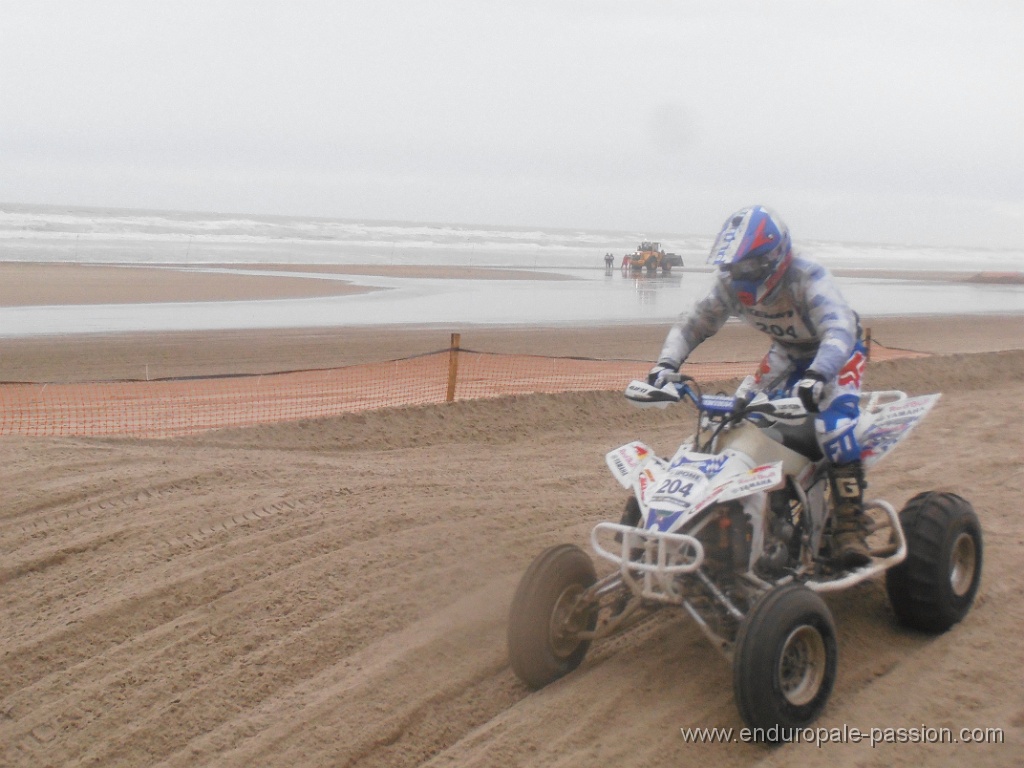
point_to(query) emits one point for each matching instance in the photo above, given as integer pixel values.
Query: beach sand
(335, 592)
(24, 284)
(157, 355)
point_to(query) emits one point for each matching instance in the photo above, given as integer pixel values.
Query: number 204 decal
(778, 331)
(675, 487)
(679, 490)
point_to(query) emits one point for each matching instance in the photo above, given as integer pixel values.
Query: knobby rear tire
(935, 586)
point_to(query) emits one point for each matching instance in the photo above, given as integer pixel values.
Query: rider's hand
(658, 374)
(739, 405)
(809, 389)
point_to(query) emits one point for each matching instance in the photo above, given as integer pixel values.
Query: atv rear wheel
(934, 587)
(545, 618)
(784, 662)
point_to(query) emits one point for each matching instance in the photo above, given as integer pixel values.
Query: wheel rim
(963, 561)
(802, 665)
(562, 630)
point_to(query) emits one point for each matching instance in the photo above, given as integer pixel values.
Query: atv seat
(797, 437)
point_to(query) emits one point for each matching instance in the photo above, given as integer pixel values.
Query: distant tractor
(649, 258)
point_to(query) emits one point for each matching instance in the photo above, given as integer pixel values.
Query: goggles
(749, 270)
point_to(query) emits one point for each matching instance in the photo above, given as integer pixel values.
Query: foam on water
(38, 233)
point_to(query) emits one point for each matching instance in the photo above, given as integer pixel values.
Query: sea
(593, 296)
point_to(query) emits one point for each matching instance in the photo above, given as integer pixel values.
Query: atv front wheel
(631, 514)
(935, 586)
(545, 619)
(784, 662)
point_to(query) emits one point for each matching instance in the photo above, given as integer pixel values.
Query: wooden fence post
(453, 367)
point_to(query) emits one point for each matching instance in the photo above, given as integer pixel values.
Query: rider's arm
(695, 326)
(835, 322)
(773, 370)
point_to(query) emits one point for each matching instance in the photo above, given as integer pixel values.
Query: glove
(739, 405)
(809, 389)
(744, 394)
(656, 378)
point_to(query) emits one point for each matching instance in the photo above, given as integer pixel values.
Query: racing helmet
(752, 253)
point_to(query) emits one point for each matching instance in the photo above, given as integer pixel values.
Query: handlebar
(715, 412)
(716, 407)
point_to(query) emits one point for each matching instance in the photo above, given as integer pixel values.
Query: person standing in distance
(817, 353)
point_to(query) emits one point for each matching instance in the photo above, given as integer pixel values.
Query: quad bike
(736, 529)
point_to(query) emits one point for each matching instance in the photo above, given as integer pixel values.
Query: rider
(816, 352)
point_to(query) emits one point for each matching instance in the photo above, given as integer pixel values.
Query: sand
(335, 592)
(24, 284)
(157, 355)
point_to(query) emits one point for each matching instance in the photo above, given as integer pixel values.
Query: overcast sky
(858, 120)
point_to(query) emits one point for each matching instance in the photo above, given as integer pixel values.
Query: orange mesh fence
(166, 408)
(483, 374)
(171, 407)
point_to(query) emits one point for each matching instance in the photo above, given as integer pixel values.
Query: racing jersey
(806, 317)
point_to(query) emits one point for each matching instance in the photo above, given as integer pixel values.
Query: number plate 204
(678, 490)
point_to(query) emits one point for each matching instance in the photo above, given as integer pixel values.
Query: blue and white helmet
(753, 250)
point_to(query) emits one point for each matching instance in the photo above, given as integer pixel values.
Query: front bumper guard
(665, 556)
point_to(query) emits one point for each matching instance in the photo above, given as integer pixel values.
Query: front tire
(784, 662)
(545, 620)
(935, 586)
(631, 514)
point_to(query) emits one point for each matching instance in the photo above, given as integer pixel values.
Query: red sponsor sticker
(764, 368)
(853, 371)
